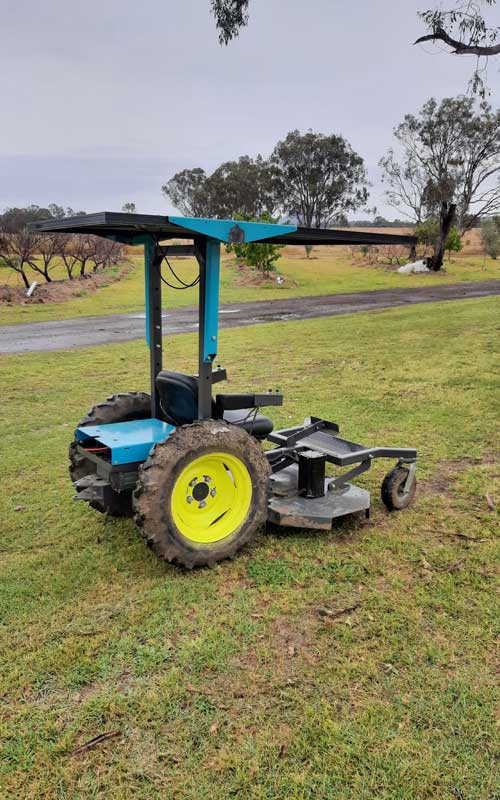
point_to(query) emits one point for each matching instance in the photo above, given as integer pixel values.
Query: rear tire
(122, 407)
(202, 494)
(394, 495)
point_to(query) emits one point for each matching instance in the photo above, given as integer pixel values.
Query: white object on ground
(414, 267)
(31, 289)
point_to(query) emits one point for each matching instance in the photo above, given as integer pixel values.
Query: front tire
(122, 407)
(202, 494)
(395, 495)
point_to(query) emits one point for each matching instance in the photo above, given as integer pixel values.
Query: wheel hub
(201, 491)
(211, 497)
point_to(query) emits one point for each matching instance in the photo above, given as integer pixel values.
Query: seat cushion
(179, 397)
(256, 424)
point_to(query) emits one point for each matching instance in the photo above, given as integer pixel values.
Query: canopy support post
(152, 268)
(208, 256)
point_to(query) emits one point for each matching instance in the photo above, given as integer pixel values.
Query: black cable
(180, 288)
(164, 280)
(185, 285)
(253, 411)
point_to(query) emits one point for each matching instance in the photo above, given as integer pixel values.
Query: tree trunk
(25, 279)
(445, 222)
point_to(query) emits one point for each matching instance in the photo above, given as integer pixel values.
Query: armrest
(219, 374)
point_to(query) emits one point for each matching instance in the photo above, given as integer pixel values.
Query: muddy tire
(393, 492)
(116, 408)
(202, 494)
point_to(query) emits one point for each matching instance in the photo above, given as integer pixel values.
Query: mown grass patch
(351, 664)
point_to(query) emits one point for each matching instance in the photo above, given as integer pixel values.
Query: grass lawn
(332, 272)
(229, 683)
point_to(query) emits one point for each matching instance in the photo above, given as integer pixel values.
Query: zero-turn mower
(188, 462)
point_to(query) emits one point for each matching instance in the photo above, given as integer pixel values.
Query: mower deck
(301, 494)
(295, 511)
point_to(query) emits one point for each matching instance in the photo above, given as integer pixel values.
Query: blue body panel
(211, 327)
(230, 230)
(129, 442)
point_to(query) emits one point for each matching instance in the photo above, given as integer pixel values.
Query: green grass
(327, 274)
(227, 683)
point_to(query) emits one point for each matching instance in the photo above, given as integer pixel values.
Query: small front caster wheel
(395, 493)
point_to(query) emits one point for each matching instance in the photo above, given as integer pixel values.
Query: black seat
(179, 403)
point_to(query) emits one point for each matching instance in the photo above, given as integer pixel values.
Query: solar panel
(129, 226)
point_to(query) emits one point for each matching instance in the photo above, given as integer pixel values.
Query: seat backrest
(178, 397)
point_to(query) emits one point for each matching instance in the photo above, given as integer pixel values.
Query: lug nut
(207, 479)
(189, 499)
(194, 482)
(203, 504)
(213, 492)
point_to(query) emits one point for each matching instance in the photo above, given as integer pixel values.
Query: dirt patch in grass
(448, 471)
(246, 277)
(63, 290)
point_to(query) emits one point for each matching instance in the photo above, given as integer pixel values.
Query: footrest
(322, 436)
(91, 487)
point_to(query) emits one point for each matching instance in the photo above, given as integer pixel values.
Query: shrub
(490, 235)
(427, 234)
(258, 255)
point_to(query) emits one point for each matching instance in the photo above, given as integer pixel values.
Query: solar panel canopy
(130, 227)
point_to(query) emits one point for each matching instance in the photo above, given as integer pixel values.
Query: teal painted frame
(232, 230)
(211, 301)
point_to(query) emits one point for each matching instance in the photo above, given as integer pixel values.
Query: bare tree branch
(460, 48)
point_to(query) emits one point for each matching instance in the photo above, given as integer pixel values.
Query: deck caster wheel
(396, 495)
(202, 494)
(117, 408)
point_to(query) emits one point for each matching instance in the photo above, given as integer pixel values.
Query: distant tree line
(31, 253)
(443, 173)
(312, 179)
(378, 222)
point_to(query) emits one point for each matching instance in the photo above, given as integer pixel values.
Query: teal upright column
(209, 261)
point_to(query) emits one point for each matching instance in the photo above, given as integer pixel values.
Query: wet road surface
(38, 337)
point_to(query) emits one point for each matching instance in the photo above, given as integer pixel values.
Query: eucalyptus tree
(446, 166)
(243, 186)
(230, 17)
(318, 179)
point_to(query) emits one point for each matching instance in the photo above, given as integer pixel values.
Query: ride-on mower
(191, 466)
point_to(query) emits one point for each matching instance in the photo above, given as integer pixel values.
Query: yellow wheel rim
(211, 498)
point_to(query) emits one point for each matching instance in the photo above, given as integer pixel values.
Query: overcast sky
(103, 100)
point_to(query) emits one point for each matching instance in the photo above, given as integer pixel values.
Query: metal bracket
(342, 480)
(176, 250)
(412, 468)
